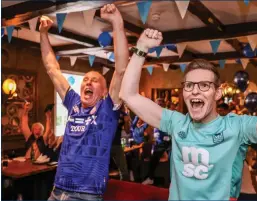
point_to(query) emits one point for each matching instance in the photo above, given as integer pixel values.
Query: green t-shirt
(203, 154)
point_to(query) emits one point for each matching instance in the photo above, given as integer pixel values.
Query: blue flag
(215, 45)
(9, 32)
(57, 57)
(2, 32)
(246, 2)
(150, 70)
(91, 59)
(158, 50)
(60, 17)
(222, 63)
(182, 67)
(143, 8)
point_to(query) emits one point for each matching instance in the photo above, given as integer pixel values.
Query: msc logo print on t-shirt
(196, 162)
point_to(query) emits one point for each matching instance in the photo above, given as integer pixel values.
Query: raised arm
(146, 109)
(25, 121)
(48, 132)
(49, 59)
(112, 14)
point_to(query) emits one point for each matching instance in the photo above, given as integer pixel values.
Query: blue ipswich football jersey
(83, 164)
(203, 155)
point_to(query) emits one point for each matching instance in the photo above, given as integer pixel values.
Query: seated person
(36, 139)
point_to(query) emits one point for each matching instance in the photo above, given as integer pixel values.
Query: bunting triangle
(2, 31)
(158, 50)
(9, 32)
(222, 63)
(33, 24)
(182, 7)
(181, 48)
(57, 57)
(252, 39)
(244, 62)
(111, 56)
(166, 67)
(215, 45)
(144, 8)
(246, 2)
(89, 17)
(150, 70)
(60, 17)
(73, 60)
(91, 59)
(182, 67)
(105, 70)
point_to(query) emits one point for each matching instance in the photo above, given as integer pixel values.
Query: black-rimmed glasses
(203, 85)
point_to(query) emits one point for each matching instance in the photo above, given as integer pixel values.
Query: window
(74, 80)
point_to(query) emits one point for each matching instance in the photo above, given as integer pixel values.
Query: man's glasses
(203, 85)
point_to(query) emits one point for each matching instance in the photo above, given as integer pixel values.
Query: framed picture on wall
(12, 105)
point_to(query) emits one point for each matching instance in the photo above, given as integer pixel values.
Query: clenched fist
(45, 24)
(149, 38)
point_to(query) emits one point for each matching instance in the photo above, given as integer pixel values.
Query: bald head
(93, 88)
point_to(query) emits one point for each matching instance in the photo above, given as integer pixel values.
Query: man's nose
(195, 89)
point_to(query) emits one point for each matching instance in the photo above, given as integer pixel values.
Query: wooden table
(17, 169)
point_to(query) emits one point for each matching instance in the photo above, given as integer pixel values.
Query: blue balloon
(241, 79)
(251, 102)
(105, 39)
(248, 52)
(71, 80)
(171, 47)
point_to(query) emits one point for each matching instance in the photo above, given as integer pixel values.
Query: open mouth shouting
(88, 93)
(196, 104)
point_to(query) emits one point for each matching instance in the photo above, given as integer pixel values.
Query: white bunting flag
(181, 48)
(244, 62)
(105, 70)
(73, 60)
(252, 39)
(182, 7)
(165, 67)
(33, 24)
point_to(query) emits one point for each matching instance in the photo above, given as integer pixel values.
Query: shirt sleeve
(70, 99)
(169, 119)
(248, 129)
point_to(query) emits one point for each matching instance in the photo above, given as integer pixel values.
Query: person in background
(162, 145)
(36, 139)
(117, 152)
(137, 130)
(83, 165)
(223, 109)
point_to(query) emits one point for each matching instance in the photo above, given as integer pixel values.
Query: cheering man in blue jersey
(204, 144)
(83, 165)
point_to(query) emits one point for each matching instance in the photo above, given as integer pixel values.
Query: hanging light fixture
(9, 87)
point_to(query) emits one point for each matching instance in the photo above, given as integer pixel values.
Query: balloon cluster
(241, 79)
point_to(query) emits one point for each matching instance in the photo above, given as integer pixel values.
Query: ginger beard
(92, 89)
(201, 105)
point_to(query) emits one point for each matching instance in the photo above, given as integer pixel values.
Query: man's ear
(218, 94)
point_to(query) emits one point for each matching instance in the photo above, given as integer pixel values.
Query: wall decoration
(12, 106)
